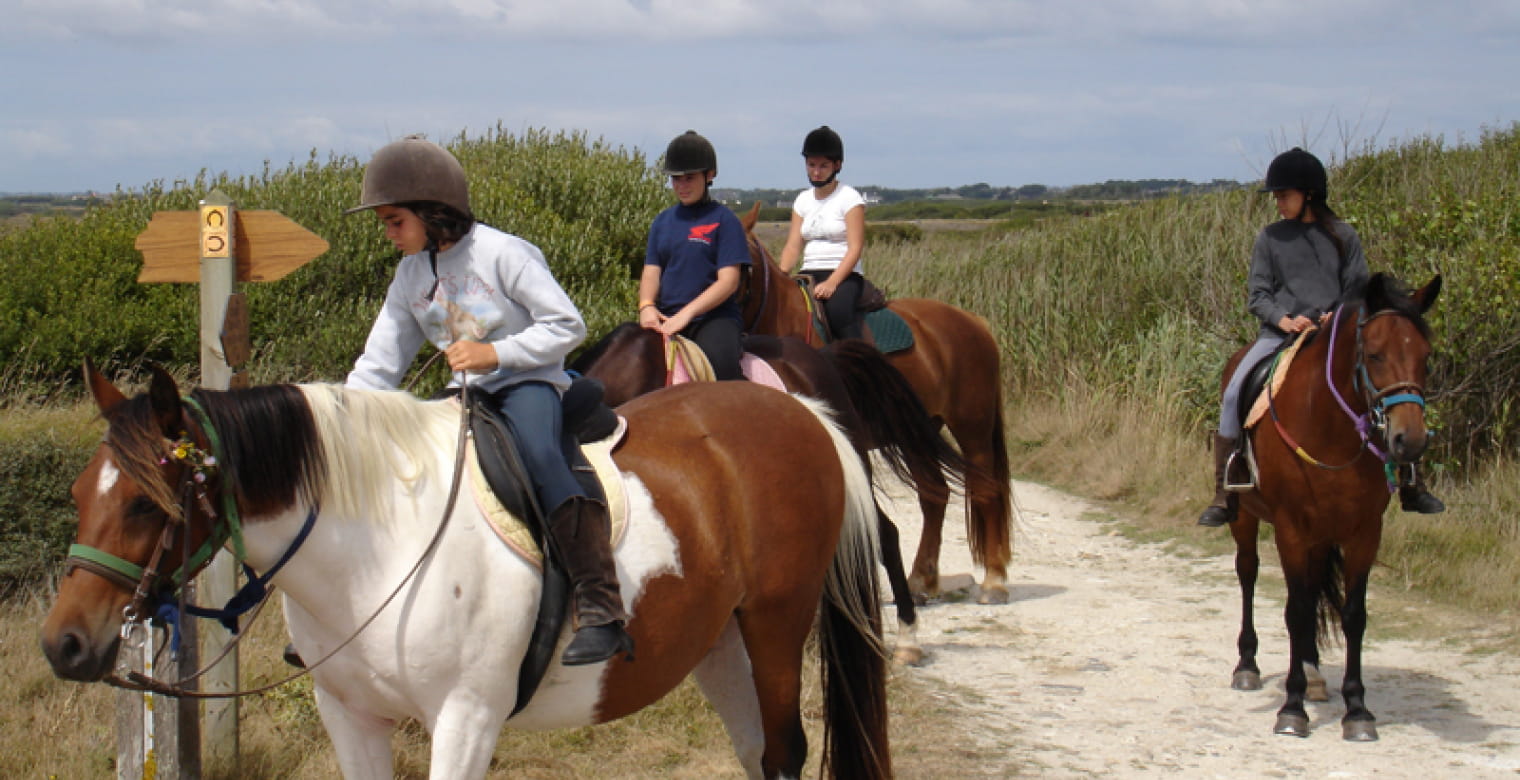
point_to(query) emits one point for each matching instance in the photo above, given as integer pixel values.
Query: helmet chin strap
(825, 182)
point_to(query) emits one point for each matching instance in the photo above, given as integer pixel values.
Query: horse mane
(266, 447)
(1384, 292)
(588, 357)
(371, 439)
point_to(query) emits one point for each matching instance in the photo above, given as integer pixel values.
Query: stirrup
(1243, 452)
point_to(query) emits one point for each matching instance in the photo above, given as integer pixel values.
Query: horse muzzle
(77, 655)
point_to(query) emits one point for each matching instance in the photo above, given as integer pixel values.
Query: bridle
(1378, 401)
(226, 528)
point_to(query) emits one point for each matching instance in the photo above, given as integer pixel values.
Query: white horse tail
(851, 649)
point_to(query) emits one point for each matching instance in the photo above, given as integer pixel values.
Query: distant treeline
(45, 203)
(1113, 189)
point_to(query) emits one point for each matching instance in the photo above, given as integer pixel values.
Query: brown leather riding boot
(582, 532)
(1219, 512)
(1413, 495)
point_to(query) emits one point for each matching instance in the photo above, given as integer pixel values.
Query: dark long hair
(444, 223)
(1327, 220)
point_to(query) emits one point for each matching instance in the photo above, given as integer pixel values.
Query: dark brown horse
(749, 520)
(870, 399)
(953, 368)
(1351, 407)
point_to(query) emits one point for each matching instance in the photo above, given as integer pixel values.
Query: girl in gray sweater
(1301, 267)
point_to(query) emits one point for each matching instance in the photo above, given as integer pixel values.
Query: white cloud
(1265, 22)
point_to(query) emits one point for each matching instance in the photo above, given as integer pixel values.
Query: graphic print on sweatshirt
(462, 309)
(702, 233)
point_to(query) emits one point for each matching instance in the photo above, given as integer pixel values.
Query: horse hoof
(1292, 725)
(908, 656)
(1317, 691)
(1359, 731)
(1246, 681)
(920, 599)
(994, 595)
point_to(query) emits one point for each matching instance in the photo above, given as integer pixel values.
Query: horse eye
(142, 508)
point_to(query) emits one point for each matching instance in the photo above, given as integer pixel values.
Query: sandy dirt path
(1114, 659)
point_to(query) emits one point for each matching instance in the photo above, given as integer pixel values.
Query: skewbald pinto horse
(1351, 407)
(869, 398)
(750, 520)
(953, 368)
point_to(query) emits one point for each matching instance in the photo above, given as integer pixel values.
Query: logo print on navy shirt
(702, 233)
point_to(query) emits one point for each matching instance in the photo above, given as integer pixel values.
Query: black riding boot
(1413, 496)
(581, 534)
(1220, 511)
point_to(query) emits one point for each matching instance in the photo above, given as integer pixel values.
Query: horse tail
(852, 653)
(997, 533)
(896, 421)
(1331, 598)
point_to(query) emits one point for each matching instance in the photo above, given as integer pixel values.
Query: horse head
(142, 504)
(1393, 354)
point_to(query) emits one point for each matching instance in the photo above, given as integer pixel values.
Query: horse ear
(107, 397)
(164, 396)
(749, 220)
(1426, 296)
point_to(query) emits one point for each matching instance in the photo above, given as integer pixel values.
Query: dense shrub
(68, 286)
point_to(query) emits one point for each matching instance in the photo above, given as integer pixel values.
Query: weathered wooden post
(217, 247)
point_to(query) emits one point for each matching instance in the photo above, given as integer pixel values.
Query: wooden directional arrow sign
(267, 245)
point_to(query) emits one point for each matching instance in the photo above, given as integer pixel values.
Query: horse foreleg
(1359, 724)
(1247, 675)
(1293, 719)
(908, 650)
(362, 742)
(464, 738)
(726, 680)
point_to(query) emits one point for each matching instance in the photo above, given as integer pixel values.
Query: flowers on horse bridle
(201, 462)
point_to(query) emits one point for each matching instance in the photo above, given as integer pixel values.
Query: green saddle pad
(890, 332)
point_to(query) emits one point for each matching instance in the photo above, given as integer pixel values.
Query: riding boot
(1413, 496)
(581, 534)
(1220, 511)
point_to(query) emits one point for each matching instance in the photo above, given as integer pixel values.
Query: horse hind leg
(924, 580)
(726, 680)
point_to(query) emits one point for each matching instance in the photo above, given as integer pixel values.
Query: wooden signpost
(218, 247)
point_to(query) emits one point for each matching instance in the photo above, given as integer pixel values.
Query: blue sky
(926, 93)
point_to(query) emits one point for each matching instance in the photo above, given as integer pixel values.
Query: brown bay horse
(870, 399)
(953, 367)
(1351, 407)
(748, 523)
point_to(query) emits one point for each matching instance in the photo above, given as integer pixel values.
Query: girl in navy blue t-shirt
(691, 267)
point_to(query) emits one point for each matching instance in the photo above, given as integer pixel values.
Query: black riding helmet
(1296, 169)
(823, 142)
(689, 152)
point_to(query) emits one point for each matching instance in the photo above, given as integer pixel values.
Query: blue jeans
(1229, 408)
(533, 410)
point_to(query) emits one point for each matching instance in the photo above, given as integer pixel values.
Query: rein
(1378, 400)
(121, 572)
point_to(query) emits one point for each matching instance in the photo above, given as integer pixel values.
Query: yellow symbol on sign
(214, 238)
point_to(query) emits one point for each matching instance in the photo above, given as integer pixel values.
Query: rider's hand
(650, 318)
(470, 356)
(824, 290)
(1294, 324)
(675, 324)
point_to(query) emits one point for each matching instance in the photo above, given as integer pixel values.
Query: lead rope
(144, 681)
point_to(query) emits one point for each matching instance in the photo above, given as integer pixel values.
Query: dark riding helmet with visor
(823, 142)
(689, 152)
(1299, 170)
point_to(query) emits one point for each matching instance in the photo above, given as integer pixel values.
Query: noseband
(146, 583)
